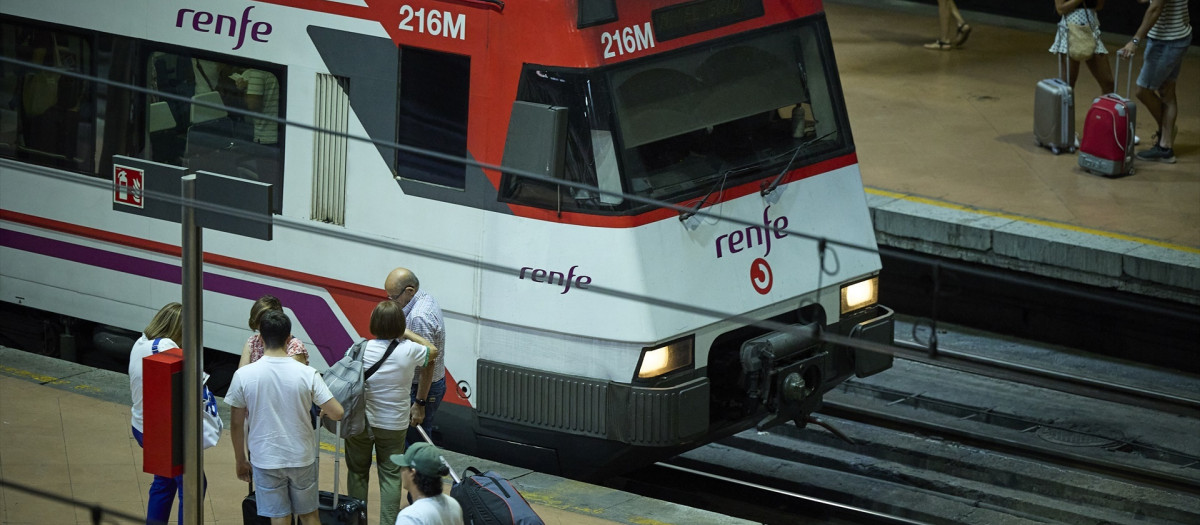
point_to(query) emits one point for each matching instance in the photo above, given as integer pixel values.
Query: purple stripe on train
(311, 311)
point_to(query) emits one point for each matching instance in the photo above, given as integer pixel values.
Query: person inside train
(253, 349)
(389, 413)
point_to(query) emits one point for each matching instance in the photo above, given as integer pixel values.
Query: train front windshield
(675, 126)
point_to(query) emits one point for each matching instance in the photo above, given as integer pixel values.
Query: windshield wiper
(768, 188)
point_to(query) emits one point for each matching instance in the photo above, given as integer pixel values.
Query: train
(639, 216)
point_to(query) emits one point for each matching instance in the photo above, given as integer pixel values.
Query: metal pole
(193, 356)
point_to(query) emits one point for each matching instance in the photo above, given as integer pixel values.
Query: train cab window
(727, 112)
(190, 122)
(678, 126)
(433, 98)
(589, 156)
(47, 117)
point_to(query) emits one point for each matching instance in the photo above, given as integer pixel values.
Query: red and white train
(567, 347)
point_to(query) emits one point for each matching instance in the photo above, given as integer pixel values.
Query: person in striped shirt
(1167, 30)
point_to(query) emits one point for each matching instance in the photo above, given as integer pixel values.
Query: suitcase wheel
(1055, 150)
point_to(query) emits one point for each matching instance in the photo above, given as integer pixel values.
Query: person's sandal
(939, 45)
(964, 32)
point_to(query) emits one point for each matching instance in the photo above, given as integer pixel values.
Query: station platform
(64, 430)
(946, 149)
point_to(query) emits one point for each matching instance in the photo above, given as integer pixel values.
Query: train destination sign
(702, 15)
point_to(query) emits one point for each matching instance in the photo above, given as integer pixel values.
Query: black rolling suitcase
(487, 498)
(335, 509)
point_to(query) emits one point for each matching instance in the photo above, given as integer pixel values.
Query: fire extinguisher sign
(127, 186)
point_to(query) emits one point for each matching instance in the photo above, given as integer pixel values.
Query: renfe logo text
(539, 275)
(739, 240)
(202, 21)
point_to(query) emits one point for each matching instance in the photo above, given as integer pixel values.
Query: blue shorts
(285, 491)
(1161, 62)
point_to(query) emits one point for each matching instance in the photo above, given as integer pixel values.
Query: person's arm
(245, 360)
(416, 338)
(332, 409)
(238, 433)
(417, 412)
(296, 349)
(1148, 21)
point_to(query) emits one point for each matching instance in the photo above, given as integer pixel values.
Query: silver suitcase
(1054, 113)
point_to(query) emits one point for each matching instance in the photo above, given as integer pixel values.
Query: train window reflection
(47, 116)
(194, 120)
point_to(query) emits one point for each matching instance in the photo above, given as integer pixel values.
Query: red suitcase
(1107, 144)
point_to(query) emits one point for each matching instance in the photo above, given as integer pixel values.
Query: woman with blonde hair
(160, 335)
(253, 349)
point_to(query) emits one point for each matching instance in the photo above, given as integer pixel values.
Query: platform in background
(945, 145)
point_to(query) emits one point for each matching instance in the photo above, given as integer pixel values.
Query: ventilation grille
(329, 149)
(555, 402)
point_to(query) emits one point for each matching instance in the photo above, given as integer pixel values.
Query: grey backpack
(345, 380)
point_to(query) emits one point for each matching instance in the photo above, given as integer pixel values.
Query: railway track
(967, 437)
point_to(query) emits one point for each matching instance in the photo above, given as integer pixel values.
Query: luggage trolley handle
(337, 458)
(444, 462)
(1128, 76)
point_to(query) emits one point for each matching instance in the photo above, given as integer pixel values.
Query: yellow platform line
(1043, 222)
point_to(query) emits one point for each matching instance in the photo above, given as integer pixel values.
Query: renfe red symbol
(760, 276)
(127, 186)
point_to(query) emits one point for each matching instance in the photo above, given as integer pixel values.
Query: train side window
(47, 117)
(432, 107)
(195, 120)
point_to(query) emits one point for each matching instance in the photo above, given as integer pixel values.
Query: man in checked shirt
(424, 318)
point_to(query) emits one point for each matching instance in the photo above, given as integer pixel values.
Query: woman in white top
(388, 411)
(159, 336)
(1083, 12)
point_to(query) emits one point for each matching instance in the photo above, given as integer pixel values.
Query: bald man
(424, 318)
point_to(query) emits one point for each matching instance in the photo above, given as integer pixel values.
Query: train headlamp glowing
(666, 358)
(860, 295)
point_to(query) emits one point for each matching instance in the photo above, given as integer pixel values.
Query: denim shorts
(284, 491)
(1162, 60)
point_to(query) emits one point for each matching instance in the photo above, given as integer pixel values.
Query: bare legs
(952, 28)
(1101, 71)
(1163, 106)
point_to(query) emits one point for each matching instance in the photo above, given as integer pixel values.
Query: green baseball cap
(424, 458)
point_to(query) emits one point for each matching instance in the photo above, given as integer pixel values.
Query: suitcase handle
(444, 462)
(1128, 76)
(337, 459)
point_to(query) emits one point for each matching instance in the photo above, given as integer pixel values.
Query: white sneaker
(1137, 140)
(1076, 141)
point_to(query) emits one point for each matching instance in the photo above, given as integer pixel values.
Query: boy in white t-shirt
(273, 396)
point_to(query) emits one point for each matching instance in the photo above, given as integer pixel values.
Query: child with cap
(421, 469)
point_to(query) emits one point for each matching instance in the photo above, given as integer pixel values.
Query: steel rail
(914, 351)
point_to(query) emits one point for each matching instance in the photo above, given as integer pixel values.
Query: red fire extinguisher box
(162, 411)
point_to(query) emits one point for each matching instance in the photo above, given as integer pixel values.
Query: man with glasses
(424, 318)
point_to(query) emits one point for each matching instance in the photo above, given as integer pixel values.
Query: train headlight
(666, 358)
(860, 295)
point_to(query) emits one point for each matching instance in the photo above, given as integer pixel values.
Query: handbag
(1081, 40)
(212, 423)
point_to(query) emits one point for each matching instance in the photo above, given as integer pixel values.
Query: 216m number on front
(626, 40)
(433, 22)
